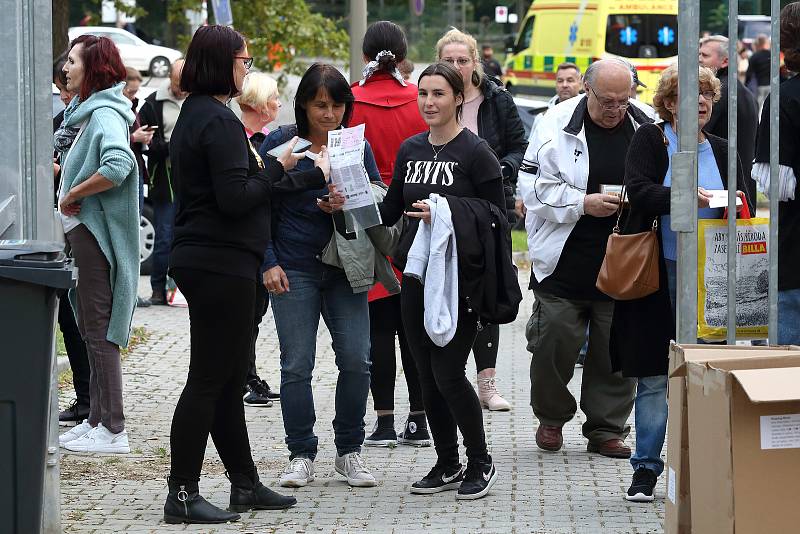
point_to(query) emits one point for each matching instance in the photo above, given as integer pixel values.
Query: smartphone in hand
(301, 145)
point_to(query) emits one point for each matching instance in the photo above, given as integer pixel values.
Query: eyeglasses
(461, 61)
(610, 105)
(248, 61)
(708, 95)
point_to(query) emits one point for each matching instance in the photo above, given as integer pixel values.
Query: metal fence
(684, 174)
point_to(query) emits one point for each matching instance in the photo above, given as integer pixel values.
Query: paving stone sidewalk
(570, 491)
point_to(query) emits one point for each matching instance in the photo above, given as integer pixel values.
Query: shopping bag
(752, 279)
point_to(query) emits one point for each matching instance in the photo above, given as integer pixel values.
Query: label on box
(671, 485)
(780, 431)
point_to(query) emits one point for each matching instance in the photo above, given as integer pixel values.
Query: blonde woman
(259, 104)
(488, 112)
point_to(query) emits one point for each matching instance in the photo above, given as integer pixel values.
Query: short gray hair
(590, 76)
(721, 41)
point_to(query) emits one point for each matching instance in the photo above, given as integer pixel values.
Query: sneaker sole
(296, 483)
(414, 442)
(480, 494)
(357, 483)
(380, 443)
(438, 489)
(69, 423)
(259, 405)
(115, 450)
(639, 497)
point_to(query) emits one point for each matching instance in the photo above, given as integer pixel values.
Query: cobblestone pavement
(570, 491)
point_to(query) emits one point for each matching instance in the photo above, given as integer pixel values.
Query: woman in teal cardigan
(98, 202)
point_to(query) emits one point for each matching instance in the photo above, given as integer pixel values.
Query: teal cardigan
(113, 215)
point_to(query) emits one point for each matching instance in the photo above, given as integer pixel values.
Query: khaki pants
(556, 332)
(94, 313)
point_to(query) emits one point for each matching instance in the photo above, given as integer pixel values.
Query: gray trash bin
(30, 274)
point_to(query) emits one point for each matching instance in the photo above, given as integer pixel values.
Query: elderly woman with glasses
(642, 328)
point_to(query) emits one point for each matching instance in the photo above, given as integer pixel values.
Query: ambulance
(645, 32)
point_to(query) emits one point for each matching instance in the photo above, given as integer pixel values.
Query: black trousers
(485, 347)
(260, 309)
(221, 329)
(451, 403)
(384, 324)
(76, 350)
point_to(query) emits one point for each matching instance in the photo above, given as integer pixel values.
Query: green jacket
(113, 215)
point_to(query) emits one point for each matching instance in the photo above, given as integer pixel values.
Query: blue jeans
(789, 317)
(651, 422)
(164, 224)
(297, 312)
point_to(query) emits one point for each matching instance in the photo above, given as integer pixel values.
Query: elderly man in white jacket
(578, 149)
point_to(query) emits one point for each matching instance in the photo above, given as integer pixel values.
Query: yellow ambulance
(645, 32)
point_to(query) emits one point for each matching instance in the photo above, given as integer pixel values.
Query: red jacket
(391, 114)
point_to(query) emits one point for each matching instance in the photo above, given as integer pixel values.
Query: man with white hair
(714, 55)
(579, 148)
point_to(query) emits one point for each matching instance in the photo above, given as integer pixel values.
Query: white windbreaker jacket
(553, 177)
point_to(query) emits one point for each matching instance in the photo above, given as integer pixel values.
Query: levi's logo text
(430, 172)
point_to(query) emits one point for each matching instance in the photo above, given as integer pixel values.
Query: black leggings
(450, 400)
(261, 307)
(76, 350)
(384, 324)
(221, 329)
(485, 347)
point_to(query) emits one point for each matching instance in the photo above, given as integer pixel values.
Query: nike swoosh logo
(447, 480)
(487, 476)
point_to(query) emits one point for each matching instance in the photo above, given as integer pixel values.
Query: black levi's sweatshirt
(464, 167)
(223, 219)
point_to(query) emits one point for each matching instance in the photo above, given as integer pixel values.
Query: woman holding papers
(641, 328)
(450, 160)
(302, 289)
(221, 230)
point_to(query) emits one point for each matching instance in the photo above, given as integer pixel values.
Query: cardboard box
(678, 503)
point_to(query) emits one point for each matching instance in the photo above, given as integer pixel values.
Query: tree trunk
(60, 26)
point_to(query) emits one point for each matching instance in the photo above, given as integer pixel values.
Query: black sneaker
(439, 479)
(383, 434)
(271, 395)
(142, 302)
(74, 414)
(641, 490)
(256, 395)
(415, 432)
(159, 298)
(478, 480)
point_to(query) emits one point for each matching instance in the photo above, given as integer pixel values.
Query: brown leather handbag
(630, 267)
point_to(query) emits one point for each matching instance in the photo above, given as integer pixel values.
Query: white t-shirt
(68, 221)
(469, 113)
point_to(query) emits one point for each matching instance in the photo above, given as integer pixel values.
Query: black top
(758, 68)
(492, 67)
(788, 155)
(575, 275)
(464, 167)
(223, 220)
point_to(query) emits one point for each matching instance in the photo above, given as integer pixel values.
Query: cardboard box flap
(680, 355)
(770, 385)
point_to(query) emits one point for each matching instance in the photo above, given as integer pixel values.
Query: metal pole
(774, 101)
(51, 498)
(684, 171)
(733, 56)
(358, 27)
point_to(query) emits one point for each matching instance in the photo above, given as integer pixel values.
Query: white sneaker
(78, 431)
(298, 473)
(353, 467)
(100, 439)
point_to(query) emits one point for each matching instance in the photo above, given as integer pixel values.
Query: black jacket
(487, 276)
(163, 183)
(499, 124)
(641, 329)
(746, 124)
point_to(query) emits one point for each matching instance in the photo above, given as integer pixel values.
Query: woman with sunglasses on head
(450, 160)
(490, 113)
(221, 231)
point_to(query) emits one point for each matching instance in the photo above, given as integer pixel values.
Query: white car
(150, 59)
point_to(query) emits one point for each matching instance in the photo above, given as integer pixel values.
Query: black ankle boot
(248, 493)
(186, 505)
